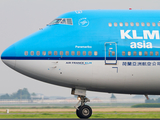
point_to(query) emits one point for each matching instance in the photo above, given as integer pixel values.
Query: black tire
(77, 111)
(84, 112)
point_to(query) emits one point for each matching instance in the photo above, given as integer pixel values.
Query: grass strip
(146, 105)
(149, 115)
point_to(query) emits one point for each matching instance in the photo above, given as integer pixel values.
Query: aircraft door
(110, 53)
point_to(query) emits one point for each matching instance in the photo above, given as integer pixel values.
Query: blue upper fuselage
(89, 32)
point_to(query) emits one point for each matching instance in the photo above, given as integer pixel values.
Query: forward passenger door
(110, 53)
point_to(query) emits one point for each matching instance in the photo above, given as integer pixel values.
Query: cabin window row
(151, 53)
(61, 53)
(133, 24)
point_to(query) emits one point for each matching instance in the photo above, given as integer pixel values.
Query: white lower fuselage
(93, 75)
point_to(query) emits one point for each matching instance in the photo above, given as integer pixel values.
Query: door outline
(107, 50)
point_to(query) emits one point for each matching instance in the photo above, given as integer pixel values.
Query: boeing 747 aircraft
(114, 51)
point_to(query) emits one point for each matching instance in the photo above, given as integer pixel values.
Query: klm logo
(132, 34)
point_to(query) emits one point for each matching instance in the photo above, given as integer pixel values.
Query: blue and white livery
(114, 51)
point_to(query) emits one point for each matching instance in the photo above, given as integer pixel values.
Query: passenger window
(126, 23)
(113, 53)
(110, 24)
(145, 53)
(153, 24)
(140, 53)
(151, 53)
(32, 52)
(55, 52)
(95, 53)
(61, 52)
(67, 52)
(89, 53)
(158, 23)
(44, 53)
(72, 53)
(78, 52)
(137, 23)
(142, 24)
(49, 52)
(84, 52)
(121, 24)
(115, 24)
(26, 53)
(129, 53)
(123, 53)
(38, 53)
(157, 53)
(148, 24)
(134, 53)
(132, 24)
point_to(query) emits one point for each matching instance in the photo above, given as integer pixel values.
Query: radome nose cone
(8, 56)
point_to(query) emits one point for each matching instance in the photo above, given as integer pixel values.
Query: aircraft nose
(8, 56)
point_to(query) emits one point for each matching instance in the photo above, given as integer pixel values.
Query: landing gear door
(110, 53)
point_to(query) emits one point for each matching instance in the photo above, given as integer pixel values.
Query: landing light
(79, 98)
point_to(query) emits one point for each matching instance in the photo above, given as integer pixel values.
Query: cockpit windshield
(67, 21)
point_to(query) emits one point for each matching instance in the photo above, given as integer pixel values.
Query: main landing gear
(83, 111)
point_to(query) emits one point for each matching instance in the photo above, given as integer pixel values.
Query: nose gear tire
(84, 111)
(77, 112)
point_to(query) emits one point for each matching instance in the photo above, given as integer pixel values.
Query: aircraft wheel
(77, 111)
(84, 112)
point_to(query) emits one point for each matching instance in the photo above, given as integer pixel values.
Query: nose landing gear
(83, 111)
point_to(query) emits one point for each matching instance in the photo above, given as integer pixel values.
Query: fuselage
(113, 51)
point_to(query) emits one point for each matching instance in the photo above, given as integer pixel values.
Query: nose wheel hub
(85, 111)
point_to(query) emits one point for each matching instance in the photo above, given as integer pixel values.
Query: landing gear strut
(83, 111)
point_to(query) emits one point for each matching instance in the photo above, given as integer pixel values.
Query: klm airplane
(114, 51)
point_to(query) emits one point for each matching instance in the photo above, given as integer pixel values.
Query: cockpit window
(63, 21)
(67, 21)
(56, 21)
